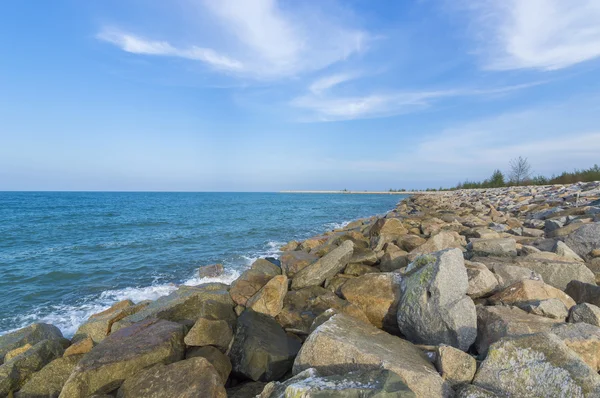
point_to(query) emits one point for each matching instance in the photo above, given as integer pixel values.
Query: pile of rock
(475, 293)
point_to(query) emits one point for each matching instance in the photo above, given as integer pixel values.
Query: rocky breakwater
(475, 293)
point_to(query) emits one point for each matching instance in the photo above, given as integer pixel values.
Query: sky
(267, 95)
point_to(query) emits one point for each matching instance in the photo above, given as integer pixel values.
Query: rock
(364, 256)
(49, 381)
(526, 291)
(194, 377)
(552, 225)
(496, 322)
(502, 247)
(378, 296)
(219, 360)
(583, 339)
(585, 239)
(393, 261)
(584, 292)
(80, 347)
(294, 261)
(310, 384)
(585, 312)
(481, 280)
(99, 325)
(16, 352)
(261, 350)
(355, 269)
(246, 390)
(266, 267)
(122, 354)
(441, 241)
(326, 267)
(344, 344)
(297, 313)
(434, 307)
(387, 226)
(508, 275)
(565, 251)
(310, 244)
(31, 334)
(410, 242)
(538, 365)
(210, 271)
(471, 391)
(183, 305)
(550, 308)
(206, 332)
(247, 285)
(15, 372)
(290, 246)
(559, 273)
(455, 366)
(269, 299)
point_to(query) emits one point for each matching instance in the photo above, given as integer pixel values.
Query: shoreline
(369, 295)
(362, 192)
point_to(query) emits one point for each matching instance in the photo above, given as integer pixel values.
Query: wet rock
(434, 307)
(210, 271)
(378, 296)
(294, 261)
(195, 377)
(538, 365)
(122, 354)
(326, 267)
(585, 312)
(261, 350)
(344, 344)
(496, 322)
(269, 299)
(49, 381)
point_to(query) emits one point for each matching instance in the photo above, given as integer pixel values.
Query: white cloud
(265, 40)
(327, 82)
(538, 34)
(137, 45)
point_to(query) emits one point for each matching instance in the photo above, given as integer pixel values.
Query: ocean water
(67, 255)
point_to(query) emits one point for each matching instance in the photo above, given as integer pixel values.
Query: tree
(497, 179)
(520, 170)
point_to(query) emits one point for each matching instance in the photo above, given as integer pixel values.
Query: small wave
(272, 249)
(336, 225)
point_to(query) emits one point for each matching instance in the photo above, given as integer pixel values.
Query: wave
(271, 249)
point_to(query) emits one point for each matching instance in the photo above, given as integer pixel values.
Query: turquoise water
(67, 255)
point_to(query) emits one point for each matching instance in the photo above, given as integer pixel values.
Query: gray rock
(552, 225)
(502, 247)
(123, 354)
(550, 308)
(455, 366)
(585, 312)
(294, 261)
(261, 350)
(269, 299)
(510, 274)
(310, 384)
(15, 372)
(434, 307)
(471, 391)
(31, 334)
(584, 292)
(583, 339)
(210, 271)
(326, 267)
(195, 377)
(49, 381)
(585, 239)
(344, 344)
(559, 273)
(565, 251)
(246, 390)
(481, 280)
(538, 365)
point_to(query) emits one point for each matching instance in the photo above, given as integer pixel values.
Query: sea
(67, 255)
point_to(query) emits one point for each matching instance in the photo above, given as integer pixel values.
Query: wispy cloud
(265, 40)
(538, 34)
(327, 82)
(137, 45)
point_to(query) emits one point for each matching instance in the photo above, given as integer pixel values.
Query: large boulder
(49, 381)
(326, 267)
(344, 344)
(482, 281)
(537, 365)
(378, 296)
(455, 366)
(500, 247)
(434, 307)
(18, 369)
(31, 334)
(558, 273)
(213, 332)
(261, 350)
(496, 322)
(585, 239)
(583, 339)
(219, 360)
(585, 312)
(561, 249)
(528, 291)
(508, 274)
(124, 353)
(584, 292)
(183, 305)
(294, 261)
(247, 285)
(269, 299)
(195, 377)
(388, 226)
(99, 325)
(441, 241)
(310, 384)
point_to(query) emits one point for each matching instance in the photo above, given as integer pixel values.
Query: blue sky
(266, 95)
